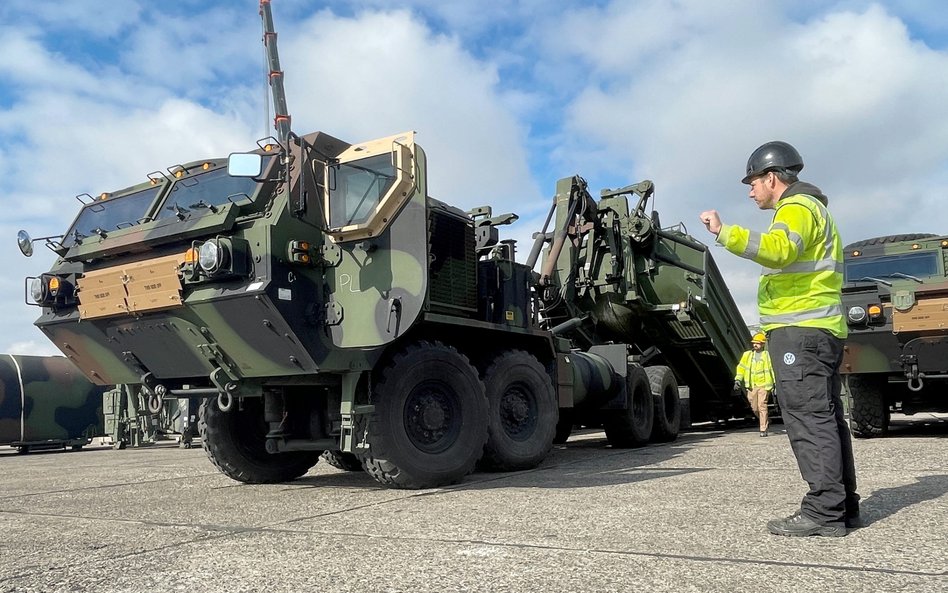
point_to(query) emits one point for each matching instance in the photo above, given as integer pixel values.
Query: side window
(368, 186)
(359, 188)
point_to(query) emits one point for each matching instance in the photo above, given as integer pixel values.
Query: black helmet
(773, 156)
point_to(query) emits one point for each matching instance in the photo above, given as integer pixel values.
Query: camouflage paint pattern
(302, 306)
(45, 400)
(283, 318)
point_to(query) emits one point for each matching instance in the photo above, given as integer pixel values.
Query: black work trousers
(806, 368)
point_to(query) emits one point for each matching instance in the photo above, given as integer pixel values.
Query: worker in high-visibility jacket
(801, 312)
(755, 375)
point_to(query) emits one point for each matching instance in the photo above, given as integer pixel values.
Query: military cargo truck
(896, 356)
(322, 301)
(46, 403)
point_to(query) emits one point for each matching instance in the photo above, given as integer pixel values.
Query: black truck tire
(430, 420)
(667, 404)
(632, 427)
(523, 412)
(349, 462)
(235, 441)
(868, 410)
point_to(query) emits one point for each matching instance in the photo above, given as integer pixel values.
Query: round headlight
(857, 314)
(38, 290)
(209, 256)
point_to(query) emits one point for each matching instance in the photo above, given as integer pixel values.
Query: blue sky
(505, 97)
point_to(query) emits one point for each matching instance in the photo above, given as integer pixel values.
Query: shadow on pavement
(585, 461)
(888, 501)
(918, 425)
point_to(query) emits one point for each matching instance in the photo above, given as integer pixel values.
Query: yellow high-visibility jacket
(802, 256)
(755, 371)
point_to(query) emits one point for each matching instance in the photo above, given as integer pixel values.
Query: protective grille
(452, 285)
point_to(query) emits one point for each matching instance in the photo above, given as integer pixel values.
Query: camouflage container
(896, 356)
(45, 402)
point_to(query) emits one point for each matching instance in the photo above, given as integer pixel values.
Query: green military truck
(319, 299)
(896, 356)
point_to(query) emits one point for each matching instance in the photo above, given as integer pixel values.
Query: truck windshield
(358, 188)
(920, 264)
(203, 193)
(103, 216)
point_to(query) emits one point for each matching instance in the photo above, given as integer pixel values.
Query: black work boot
(799, 525)
(853, 521)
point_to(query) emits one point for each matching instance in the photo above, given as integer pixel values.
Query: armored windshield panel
(197, 194)
(368, 185)
(111, 213)
(920, 264)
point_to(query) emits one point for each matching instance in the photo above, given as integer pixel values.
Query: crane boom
(281, 117)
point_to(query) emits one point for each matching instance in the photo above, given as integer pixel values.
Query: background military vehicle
(46, 403)
(321, 300)
(896, 356)
(134, 419)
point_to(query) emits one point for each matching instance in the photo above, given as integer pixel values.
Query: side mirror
(25, 243)
(244, 164)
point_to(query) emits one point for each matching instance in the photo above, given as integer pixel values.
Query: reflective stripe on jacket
(802, 257)
(755, 371)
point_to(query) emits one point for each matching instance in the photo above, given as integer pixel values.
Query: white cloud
(93, 147)
(86, 16)
(194, 55)
(384, 73)
(33, 348)
(26, 62)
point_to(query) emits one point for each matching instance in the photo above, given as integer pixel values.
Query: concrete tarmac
(688, 516)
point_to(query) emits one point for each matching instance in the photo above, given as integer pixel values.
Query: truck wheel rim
(517, 413)
(432, 417)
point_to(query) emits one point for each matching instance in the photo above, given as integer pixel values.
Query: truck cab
(896, 356)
